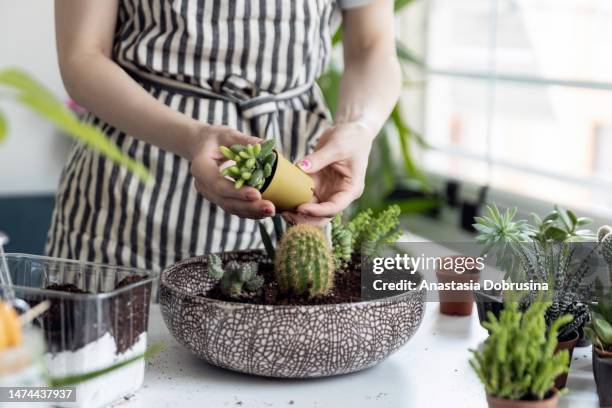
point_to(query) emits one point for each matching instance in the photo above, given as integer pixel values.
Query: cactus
(603, 231)
(253, 163)
(342, 242)
(235, 280)
(304, 263)
(518, 359)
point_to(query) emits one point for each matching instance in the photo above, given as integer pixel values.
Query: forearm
(369, 89)
(102, 87)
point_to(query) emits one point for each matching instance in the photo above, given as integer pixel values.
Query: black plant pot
(602, 369)
(488, 302)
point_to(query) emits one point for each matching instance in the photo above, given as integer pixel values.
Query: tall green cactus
(304, 263)
(518, 360)
(371, 232)
(253, 163)
(236, 279)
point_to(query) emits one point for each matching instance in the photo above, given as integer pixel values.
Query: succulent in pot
(309, 303)
(264, 168)
(599, 331)
(517, 363)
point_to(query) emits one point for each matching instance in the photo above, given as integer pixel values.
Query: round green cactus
(304, 263)
(606, 247)
(253, 163)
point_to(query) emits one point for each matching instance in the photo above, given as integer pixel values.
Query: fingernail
(305, 164)
(267, 211)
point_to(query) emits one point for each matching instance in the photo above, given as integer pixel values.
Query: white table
(430, 371)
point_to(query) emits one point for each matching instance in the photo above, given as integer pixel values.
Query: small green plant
(371, 232)
(342, 242)
(28, 92)
(604, 236)
(304, 263)
(599, 328)
(518, 360)
(561, 225)
(235, 279)
(253, 163)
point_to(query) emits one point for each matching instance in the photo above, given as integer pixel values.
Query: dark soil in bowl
(347, 287)
(70, 324)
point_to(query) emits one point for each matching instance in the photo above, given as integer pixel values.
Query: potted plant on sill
(459, 269)
(264, 168)
(294, 311)
(517, 363)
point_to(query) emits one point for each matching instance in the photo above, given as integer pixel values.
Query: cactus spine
(304, 263)
(235, 280)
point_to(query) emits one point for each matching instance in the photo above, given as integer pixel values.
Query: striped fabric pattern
(103, 214)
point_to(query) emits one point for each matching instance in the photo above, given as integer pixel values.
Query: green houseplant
(518, 362)
(599, 331)
(24, 90)
(262, 167)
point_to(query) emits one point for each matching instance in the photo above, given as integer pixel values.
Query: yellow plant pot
(289, 186)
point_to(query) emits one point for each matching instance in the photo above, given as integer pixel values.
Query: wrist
(195, 137)
(365, 130)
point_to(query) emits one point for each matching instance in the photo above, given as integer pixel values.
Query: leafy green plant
(371, 232)
(235, 279)
(253, 163)
(304, 263)
(518, 361)
(561, 225)
(599, 328)
(26, 91)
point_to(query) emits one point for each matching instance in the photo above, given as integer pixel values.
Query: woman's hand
(338, 167)
(206, 160)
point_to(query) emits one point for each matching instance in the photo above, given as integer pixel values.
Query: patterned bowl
(283, 341)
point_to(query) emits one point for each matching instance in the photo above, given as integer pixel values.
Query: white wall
(32, 157)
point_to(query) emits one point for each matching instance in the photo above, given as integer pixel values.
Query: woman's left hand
(338, 167)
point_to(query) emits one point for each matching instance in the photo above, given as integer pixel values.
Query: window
(518, 96)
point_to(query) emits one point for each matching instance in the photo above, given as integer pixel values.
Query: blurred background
(504, 100)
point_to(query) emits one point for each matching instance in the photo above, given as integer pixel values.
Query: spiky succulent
(502, 236)
(304, 263)
(605, 239)
(235, 279)
(342, 242)
(253, 163)
(519, 359)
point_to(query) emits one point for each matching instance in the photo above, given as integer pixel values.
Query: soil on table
(347, 287)
(70, 323)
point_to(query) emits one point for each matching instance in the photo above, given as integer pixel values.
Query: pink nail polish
(305, 164)
(267, 211)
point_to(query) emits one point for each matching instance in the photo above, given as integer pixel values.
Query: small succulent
(518, 360)
(236, 279)
(253, 163)
(342, 242)
(599, 328)
(371, 232)
(604, 236)
(561, 225)
(502, 236)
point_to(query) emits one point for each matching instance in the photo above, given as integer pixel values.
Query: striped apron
(247, 64)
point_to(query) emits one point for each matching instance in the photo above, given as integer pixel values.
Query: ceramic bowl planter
(602, 369)
(286, 341)
(550, 402)
(456, 302)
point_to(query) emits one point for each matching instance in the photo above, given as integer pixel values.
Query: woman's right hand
(206, 159)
